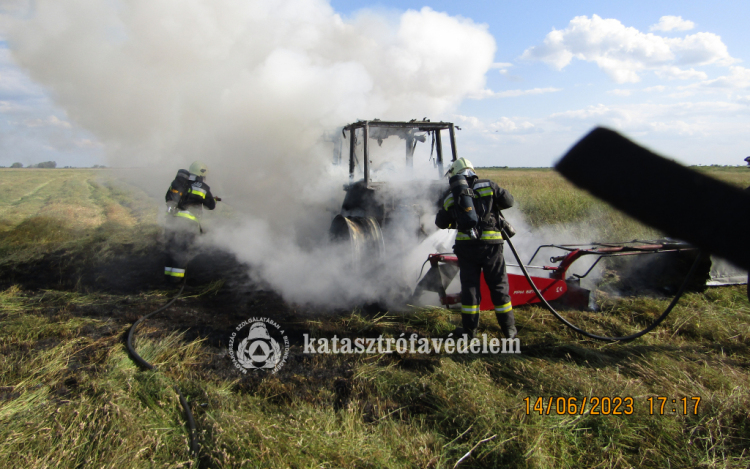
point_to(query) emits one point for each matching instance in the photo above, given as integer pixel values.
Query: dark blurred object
(218, 199)
(664, 273)
(683, 203)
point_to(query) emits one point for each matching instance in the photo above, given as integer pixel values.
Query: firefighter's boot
(507, 324)
(173, 276)
(470, 323)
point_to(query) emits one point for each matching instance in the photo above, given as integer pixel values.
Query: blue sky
(670, 75)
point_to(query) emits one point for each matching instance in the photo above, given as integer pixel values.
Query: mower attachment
(444, 268)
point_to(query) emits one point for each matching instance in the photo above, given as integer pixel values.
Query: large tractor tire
(361, 239)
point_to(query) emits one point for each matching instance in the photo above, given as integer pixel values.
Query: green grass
(80, 401)
(70, 211)
(71, 397)
(547, 200)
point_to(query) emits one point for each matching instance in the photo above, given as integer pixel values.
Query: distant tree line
(45, 164)
(48, 164)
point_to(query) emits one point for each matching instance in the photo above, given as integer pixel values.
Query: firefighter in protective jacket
(479, 249)
(186, 197)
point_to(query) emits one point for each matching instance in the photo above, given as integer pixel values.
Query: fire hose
(148, 366)
(626, 338)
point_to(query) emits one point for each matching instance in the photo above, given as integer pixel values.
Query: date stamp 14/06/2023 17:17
(596, 405)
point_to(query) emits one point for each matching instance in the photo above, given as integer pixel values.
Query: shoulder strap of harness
(490, 206)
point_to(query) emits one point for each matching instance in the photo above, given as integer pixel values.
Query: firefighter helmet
(458, 166)
(198, 168)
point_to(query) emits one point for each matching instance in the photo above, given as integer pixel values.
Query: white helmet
(199, 168)
(459, 166)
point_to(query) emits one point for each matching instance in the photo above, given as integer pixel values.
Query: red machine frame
(556, 286)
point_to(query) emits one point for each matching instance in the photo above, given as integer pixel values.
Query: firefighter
(186, 197)
(480, 250)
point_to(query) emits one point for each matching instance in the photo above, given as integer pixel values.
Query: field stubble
(71, 397)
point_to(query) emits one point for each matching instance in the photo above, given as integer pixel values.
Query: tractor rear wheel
(361, 239)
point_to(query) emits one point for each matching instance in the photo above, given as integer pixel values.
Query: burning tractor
(389, 207)
(388, 204)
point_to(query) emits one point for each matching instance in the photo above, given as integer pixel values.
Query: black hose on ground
(600, 337)
(148, 366)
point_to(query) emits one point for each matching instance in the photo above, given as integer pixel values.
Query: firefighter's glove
(218, 199)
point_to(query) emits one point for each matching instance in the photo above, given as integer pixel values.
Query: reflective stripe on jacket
(197, 191)
(488, 197)
(186, 214)
(486, 236)
(190, 205)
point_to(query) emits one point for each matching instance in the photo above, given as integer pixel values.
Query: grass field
(546, 198)
(71, 397)
(72, 210)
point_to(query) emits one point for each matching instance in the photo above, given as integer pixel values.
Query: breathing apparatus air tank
(463, 197)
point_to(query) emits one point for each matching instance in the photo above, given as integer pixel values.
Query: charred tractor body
(388, 196)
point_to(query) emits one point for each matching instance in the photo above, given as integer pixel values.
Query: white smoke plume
(528, 239)
(249, 87)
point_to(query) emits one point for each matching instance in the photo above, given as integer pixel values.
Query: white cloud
(738, 78)
(502, 67)
(705, 132)
(682, 94)
(619, 92)
(672, 23)
(11, 107)
(15, 84)
(512, 93)
(469, 122)
(658, 89)
(51, 121)
(599, 111)
(679, 119)
(503, 125)
(700, 49)
(624, 53)
(508, 125)
(675, 73)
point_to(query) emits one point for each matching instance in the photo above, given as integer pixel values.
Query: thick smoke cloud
(232, 81)
(249, 87)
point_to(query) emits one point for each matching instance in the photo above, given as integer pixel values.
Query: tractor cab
(396, 176)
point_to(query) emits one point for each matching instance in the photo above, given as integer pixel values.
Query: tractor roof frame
(423, 126)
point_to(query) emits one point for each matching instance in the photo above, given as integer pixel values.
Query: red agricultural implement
(556, 286)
